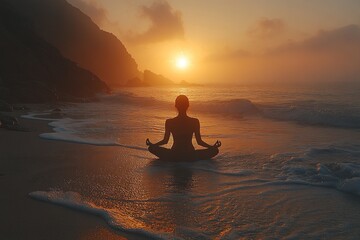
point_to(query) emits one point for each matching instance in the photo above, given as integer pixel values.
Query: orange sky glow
(237, 41)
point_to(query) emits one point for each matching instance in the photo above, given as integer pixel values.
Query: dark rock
(57, 110)
(153, 79)
(11, 123)
(32, 92)
(135, 82)
(31, 69)
(79, 39)
(8, 120)
(5, 107)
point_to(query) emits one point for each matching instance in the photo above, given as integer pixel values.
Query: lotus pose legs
(182, 128)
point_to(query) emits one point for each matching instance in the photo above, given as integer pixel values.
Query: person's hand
(148, 143)
(217, 144)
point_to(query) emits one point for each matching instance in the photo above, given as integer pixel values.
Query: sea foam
(113, 217)
(59, 136)
(68, 129)
(340, 171)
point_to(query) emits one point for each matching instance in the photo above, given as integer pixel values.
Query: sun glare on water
(182, 62)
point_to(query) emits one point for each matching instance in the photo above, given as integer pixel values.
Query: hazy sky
(237, 40)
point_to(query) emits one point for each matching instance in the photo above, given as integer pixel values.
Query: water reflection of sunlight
(183, 91)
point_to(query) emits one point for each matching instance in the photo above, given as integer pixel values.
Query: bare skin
(182, 129)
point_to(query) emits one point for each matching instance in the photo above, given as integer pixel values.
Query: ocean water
(289, 167)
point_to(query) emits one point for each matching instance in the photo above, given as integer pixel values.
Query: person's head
(182, 103)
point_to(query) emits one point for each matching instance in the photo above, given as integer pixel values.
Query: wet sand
(29, 163)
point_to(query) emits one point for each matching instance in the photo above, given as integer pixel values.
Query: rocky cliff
(32, 70)
(78, 38)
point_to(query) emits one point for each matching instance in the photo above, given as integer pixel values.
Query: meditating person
(182, 128)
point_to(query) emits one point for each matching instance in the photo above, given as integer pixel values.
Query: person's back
(182, 129)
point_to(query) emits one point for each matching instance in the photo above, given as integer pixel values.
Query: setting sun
(182, 62)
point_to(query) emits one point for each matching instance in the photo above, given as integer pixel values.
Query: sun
(182, 62)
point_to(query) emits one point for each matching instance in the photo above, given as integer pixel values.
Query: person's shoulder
(194, 120)
(169, 121)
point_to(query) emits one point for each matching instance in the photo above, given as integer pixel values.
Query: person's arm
(165, 139)
(199, 139)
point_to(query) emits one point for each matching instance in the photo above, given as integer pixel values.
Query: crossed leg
(204, 154)
(165, 153)
(160, 152)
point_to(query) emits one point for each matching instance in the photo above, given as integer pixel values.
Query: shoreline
(264, 161)
(25, 160)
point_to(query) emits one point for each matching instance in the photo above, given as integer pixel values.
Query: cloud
(331, 55)
(344, 40)
(91, 8)
(327, 56)
(329, 41)
(166, 23)
(228, 55)
(267, 28)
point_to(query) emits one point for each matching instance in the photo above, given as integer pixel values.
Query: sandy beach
(25, 159)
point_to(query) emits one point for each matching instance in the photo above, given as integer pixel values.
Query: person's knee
(152, 148)
(215, 151)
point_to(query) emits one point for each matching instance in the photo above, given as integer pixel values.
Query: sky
(237, 41)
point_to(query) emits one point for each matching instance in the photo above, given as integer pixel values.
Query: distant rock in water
(135, 82)
(153, 79)
(150, 79)
(32, 70)
(79, 39)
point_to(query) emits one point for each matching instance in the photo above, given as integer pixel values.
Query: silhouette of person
(182, 128)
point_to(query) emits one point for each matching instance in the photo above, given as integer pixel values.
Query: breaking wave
(113, 217)
(334, 167)
(314, 114)
(303, 112)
